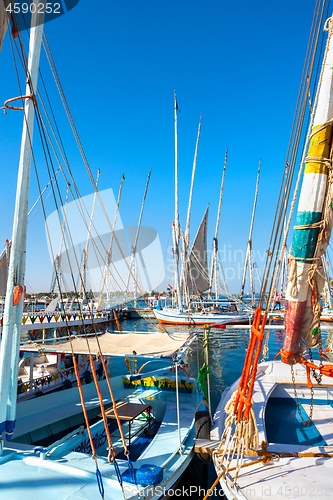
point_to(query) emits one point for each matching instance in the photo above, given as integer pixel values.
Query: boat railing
(49, 379)
(60, 316)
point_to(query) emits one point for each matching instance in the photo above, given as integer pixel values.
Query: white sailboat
(190, 308)
(197, 313)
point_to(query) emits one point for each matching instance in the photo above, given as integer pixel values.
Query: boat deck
(286, 477)
(67, 474)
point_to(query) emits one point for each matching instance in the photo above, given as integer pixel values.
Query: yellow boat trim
(319, 147)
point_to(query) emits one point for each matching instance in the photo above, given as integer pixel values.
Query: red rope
(246, 383)
(117, 321)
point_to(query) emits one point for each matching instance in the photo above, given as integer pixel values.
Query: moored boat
(204, 317)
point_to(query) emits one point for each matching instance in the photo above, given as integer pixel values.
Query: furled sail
(313, 225)
(198, 278)
(4, 260)
(4, 19)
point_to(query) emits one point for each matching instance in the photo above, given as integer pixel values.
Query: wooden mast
(248, 257)
(109, 253)
(213, 272)
(177, 228)
(187, 229)
(83, 284)
(175, 225)
(133, 252)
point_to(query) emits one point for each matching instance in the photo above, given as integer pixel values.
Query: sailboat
(273, 426)
(197, 282)
(82, 442)
(191, 309)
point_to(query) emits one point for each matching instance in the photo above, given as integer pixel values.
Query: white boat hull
(68, 467)
(284, 477)
(174, 317)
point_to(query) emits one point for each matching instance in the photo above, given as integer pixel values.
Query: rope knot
(329, 25)
(266, 456)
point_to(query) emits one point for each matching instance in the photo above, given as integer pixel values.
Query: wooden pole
(215, 248)
(249, 243)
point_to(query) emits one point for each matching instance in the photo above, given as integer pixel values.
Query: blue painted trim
(304, 240)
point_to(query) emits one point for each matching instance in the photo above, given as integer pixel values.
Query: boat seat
(163, 446)
(322, 418)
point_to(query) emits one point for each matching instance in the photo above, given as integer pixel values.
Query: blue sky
(239, 64)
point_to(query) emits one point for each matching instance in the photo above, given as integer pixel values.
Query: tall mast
(183, 274)
(175, 225)
(109, 253)
(12, 320)
(215, 243)
(177, 228)
(187, 229)
(57, 264)
(179, 295)
(83, 286)
(284, 266)
(248, 257)
(137, 233)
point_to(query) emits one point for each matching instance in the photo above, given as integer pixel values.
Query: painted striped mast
(248, 257)
(184, 271)
(308, 242)
(12, 320)
(213, 271)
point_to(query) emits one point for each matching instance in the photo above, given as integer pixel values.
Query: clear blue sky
(238, 63)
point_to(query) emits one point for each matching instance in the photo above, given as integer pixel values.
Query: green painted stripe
(304, 240)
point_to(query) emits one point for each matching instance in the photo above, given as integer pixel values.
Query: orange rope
(111, 449)
(84, 407)
(144, 364)
(117, 321)
(245, 391)
(114, 407)
(5, 106)
(292, 358)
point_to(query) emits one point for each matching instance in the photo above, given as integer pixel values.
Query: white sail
(4, 260)
(4, 19)
(198, 279)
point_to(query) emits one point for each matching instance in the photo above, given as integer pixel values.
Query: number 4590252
(47, 8)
